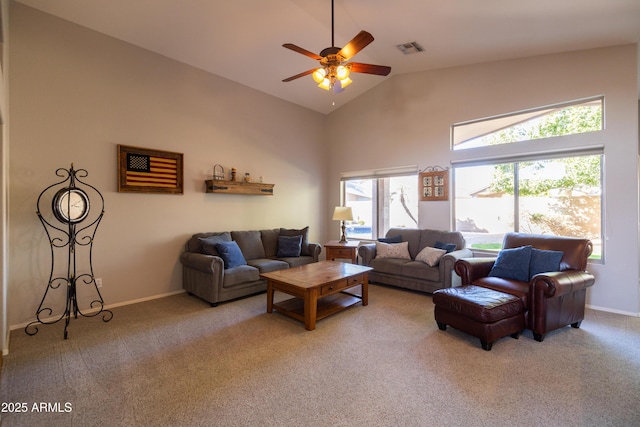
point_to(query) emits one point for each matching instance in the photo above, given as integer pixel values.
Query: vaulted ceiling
(241, 40)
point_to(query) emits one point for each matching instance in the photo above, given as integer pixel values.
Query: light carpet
(176, 361)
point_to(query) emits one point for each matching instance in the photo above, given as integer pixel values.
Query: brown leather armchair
(552, 299)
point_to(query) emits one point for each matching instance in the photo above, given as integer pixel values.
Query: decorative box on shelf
(239, 187)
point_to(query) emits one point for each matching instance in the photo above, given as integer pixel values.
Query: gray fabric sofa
(412, 274)
(203, 269)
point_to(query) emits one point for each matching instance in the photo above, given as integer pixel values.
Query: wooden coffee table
(319, 290)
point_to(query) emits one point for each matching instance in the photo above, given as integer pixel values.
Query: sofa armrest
(367, 252)
(446, 266)
(470, 269)
(314, 250)
(558, 283)
(201, 262)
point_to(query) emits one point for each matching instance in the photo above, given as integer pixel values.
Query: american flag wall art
(149, 171)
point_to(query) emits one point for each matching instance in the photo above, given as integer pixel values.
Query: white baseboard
(609, 310)
(106, 307)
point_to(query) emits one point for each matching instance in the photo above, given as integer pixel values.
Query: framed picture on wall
(434, 185)
(143, 170)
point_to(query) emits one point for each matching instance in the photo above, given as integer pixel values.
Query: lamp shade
(342, 213)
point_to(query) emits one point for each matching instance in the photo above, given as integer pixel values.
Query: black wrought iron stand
(66, 245)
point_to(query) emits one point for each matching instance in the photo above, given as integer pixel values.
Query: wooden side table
(348, 250)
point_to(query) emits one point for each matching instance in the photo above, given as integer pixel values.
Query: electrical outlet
(99, 282)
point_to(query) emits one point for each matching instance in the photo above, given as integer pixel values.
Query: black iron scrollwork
(71, 244)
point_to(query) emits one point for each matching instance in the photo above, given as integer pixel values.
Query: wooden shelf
(327, 306)
(239, 187)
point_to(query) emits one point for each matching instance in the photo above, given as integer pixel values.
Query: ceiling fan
(334, 70)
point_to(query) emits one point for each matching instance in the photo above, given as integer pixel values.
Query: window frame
(378, 191)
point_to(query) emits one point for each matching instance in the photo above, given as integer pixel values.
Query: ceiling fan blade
(298, 49)
(297, 76)
(380, 70)
(358, 43)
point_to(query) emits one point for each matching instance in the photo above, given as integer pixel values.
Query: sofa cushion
(298, 260)
(420, 270)
(194, 244)
(208, 244)
(543, 261)
(240, 275)
(430, 256)
(270, 242)
(265, 265)
(230, 254)
(304, 232)
(512, 264)
(392, 250)
(389, 265)
(250, 243)
(289, 246)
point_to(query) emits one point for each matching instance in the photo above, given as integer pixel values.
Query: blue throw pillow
(543, 261)
(289, 246)
(231, 254)
(449, 247)
(393, 239)
(512, 264)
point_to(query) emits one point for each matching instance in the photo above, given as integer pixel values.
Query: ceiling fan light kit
(335, 67)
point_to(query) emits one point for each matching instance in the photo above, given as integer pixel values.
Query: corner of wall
(4, 174)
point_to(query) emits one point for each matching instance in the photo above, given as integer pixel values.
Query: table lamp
(343, 213)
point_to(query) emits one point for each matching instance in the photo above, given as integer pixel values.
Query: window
(554, 196)
(380, 203)
(554, 192)
(560, 120)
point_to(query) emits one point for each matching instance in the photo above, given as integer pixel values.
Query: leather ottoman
(480, 312)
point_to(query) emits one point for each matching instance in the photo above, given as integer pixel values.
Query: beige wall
(76, 94)
(406, 120)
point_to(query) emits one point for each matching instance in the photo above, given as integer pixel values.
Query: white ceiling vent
(410, 48)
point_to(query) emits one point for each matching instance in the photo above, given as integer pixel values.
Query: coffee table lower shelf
(319, 289)
(327, 306)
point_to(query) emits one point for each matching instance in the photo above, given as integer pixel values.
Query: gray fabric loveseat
(415, 267)
(226, 265)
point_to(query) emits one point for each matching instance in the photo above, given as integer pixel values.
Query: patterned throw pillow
(392, 250)
(430, 256)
